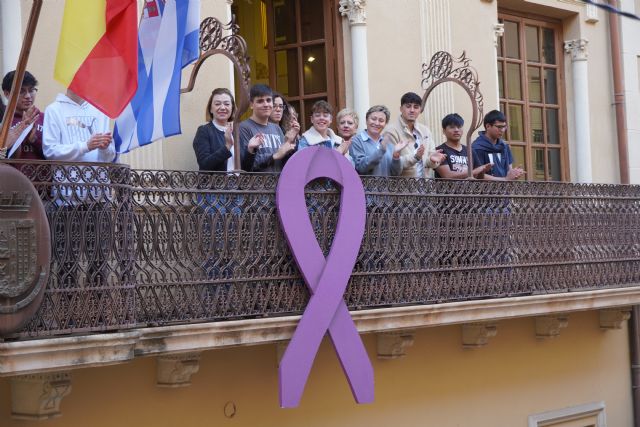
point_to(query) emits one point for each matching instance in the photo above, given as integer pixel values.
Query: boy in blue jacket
(489, 147)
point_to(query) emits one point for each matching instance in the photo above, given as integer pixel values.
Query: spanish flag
(98, 52)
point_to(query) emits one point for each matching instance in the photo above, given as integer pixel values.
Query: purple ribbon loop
(326, 278)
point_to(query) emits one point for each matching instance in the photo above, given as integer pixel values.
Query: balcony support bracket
(38, 396)
(550, 326)
(176, 370)
(614, 318)
(476, 335)
(393, 345)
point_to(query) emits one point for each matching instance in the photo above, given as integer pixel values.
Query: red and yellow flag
(98, 52)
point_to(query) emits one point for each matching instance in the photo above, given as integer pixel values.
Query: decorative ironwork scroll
(151, 248)
(444, 68)
(234, 47)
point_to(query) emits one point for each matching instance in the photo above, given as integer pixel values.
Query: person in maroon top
(26, 112)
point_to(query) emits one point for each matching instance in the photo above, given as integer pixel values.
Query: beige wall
(397, 44)
(438, 384)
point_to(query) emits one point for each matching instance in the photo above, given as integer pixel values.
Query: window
(588, 415)
(295, 48)
(301, 53)
(529, 79)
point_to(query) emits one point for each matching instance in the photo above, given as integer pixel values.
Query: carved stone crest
(25, 251)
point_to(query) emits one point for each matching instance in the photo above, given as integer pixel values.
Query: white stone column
(232, 85)
(580, 76)
(498, 32)
(354, 10)
(435, 24)
(11, 24)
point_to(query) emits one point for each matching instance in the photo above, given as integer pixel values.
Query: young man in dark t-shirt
(489, 147)
(31, 147)
(264, 147)
(455, 164)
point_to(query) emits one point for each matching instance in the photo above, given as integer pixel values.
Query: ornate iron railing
(141, 248)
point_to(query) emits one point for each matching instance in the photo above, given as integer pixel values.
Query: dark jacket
(499, 154)
(211, 152)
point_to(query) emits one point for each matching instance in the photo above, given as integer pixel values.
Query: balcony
(156, 262)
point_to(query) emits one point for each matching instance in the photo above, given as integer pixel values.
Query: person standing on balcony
(320, 133)
(290, 121)
(264, 147)
(371, 153)
(75, 131)
(278, 109)
(489, 147)
(26, 114)
(456, 162)
(213, 143)
(347, 124)
(419, 156)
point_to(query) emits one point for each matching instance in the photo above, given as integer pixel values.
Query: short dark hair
(453, 119)
(259, 90)
(28, 80)
(494, 116)
(410, 98)
(321, 107)
(220, 91)
(379, 109)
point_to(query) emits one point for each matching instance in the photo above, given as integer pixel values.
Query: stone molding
(614, 318)
(38, 396)
(550, 326)
(393, 345)
(55, 354)
(476, 335)
(577, 48)
(354, 10)
(176, 370)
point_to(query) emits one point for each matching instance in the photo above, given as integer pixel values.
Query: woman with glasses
(279, 105)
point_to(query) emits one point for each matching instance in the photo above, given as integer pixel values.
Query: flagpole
(20, 69)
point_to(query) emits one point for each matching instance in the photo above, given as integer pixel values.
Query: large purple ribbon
(326, 278)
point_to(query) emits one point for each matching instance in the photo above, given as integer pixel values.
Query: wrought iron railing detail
(142, 248)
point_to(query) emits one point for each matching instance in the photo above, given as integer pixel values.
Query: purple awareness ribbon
(326, 278)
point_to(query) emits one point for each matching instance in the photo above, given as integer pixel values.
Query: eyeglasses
(501, 127)
(278, 106)
(31, 91)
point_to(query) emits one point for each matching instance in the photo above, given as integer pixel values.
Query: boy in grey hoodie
(264, 148)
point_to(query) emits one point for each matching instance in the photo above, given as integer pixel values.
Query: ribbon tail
(352, 354)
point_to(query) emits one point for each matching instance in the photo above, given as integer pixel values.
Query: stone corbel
(476, 335)
(38, 396)
(176, 370)
(354, 10)
(393, 345)
(577, 48)
(612, 318)
(550, 326)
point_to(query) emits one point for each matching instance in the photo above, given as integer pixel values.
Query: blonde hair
(348, 112)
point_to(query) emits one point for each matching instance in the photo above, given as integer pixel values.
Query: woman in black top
(213, 143)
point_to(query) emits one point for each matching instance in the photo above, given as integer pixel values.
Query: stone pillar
(435, 23)
(11, 27)
(580, 76)
(354, 10)
(232, 84)
(498, 31)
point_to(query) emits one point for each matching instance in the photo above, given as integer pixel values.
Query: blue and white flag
(168, 39)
